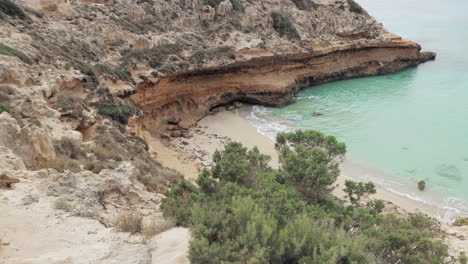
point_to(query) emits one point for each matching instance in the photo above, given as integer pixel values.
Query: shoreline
(213, 131)
(219, 127)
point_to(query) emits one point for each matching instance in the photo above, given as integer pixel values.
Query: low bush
(460, 221)
(4, 108)
(237, 6)
(63, 205)
(357, 190)
(9, 51)
(11, 9)
(212, 3)
(69, 103)
(128, 222)
(104, 69)
(278, 216)
(87, 69)
(283, 25)
(305, 4)
(463, 258)
(355, 7)
(119, 113)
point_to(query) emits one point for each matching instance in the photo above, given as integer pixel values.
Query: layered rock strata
(270, 79)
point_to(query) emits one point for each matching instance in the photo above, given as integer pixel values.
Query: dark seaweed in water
(449, 171)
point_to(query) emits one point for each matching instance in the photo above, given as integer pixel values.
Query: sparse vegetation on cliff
(11, 9)
(69, 103)
(237, 6)
(219, 53)
(212, 3)
(9, 51)
(355, 7)
(283, 25)
(243, 211)
(119, 113)
(460, 221)
(304, 4)
(155, 57)
(104, 69)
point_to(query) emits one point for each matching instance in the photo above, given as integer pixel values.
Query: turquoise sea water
(413, 125)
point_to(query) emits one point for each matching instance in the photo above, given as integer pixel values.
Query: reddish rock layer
(270, 80)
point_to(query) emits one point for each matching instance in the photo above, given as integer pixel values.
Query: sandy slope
(37, 233)
(32, 231)
(171, 247)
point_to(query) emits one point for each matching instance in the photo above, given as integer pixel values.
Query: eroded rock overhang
(183, 98)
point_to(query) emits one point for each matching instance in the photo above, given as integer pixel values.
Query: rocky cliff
(183, 98)
(179, 58)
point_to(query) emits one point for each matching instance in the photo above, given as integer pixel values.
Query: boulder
(176, 133)
(421, 185)
(6, 181)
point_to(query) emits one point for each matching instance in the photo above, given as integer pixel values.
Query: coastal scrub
(244, 211)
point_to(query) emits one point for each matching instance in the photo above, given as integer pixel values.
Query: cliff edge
(177, 59)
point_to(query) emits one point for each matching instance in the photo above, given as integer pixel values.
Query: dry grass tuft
(157, 226)
(128, 222)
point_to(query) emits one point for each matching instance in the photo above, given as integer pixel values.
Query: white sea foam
(260, 117)
(308, 97)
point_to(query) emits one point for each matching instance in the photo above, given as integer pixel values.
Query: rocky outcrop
(181, 58)
(31, 143)
(183, 98)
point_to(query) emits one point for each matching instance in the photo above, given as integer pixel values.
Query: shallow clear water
(413, 124)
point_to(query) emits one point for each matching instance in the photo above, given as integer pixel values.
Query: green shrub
(355, 7)
(70, 103)
(356, 190)
(212, 3)
(4, 108)
(463, 258)
(274, 221)
(305, 4)
(11, 9)
(119, 113)
(236, 164)
(104, 69)
(283, 25)
(310, 162)
(9, 51)
(237, 6)
(87, 69)
(460, 221)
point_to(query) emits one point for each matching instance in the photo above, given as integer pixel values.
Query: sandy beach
(220, 127)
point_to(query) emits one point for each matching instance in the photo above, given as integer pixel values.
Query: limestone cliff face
(177, 59)
(269, 79)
